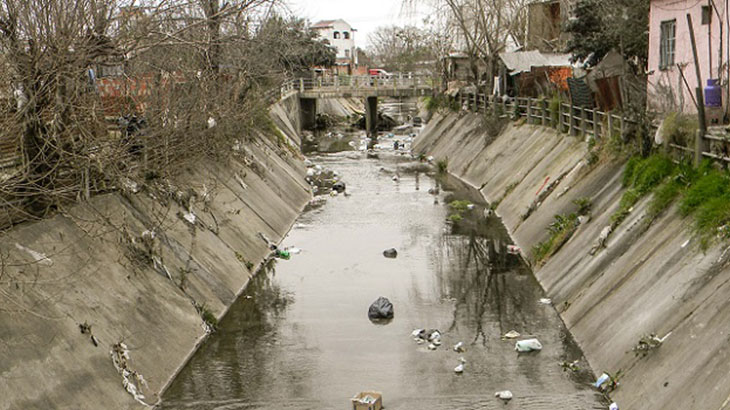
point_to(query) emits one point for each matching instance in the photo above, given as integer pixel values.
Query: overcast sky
(365, 16)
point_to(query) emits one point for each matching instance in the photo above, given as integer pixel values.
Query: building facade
(672, 77)
(340, 35)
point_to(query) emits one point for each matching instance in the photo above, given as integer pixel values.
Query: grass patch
(561, 229)
(641, 176)
(457, 208)
(584, 205)
(710, 184)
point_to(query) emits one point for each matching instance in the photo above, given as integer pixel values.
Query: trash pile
(323, 181)
(131, 380)
(648, 343)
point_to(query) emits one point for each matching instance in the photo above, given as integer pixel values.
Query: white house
(341, 36)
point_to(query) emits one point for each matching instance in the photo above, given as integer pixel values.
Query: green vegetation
(679, 128)
(442, 165)
(208, 317)
(584, 205)
(641, 176)
(439, 102)
(703, 193)
(560, 231)
(457, 208)
(244, 261)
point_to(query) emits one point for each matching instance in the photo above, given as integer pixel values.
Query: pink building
(670, 52)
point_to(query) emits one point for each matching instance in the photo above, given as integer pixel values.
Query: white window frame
(667, 43)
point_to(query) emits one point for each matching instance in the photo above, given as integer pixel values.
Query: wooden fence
(586, 122)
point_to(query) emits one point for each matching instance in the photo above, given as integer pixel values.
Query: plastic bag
(381, 309)
(528, 345)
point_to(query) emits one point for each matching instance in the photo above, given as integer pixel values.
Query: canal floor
(300, 337)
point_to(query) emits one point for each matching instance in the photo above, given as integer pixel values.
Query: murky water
(303, 340)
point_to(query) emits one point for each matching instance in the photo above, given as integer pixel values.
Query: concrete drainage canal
(300, 337)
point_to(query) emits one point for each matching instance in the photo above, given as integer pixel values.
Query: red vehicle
(378, 72)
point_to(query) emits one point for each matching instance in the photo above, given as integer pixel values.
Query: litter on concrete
(367, 401)
(380, 309)
(572, 366)
(460, 368)
(512, 334)
(505, 395)
(38, 257)
(602, 379)
(528, 345)
(613, 406)
(459, 347)
(649, 342)
(545, 301)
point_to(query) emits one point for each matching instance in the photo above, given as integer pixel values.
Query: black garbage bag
(390, 253)
(339, 187)
(381, 309)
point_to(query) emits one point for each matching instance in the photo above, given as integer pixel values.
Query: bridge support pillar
(371, 116)
(308, 107)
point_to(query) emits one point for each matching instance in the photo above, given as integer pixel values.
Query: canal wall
(648, 278)
(140, 270)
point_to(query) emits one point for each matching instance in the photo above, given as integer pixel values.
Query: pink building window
(668, 32)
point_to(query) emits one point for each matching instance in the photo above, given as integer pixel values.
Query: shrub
(442, 165)
(679, 128)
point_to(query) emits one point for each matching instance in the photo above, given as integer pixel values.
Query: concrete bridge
(369, 88)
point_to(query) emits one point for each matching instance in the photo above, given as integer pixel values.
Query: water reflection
(303, 340)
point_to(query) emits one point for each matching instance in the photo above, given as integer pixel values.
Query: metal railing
(351, 84)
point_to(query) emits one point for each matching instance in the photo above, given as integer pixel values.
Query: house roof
(323, 24)
(329, 24)
(522, 61)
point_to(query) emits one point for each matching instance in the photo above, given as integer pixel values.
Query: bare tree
(187, 75)
(485, 28)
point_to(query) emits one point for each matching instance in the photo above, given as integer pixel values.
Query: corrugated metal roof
(523, 61)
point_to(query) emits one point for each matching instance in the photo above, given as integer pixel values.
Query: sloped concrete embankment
(648, 279)
(94, 264)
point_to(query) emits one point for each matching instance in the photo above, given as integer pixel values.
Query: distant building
(340, 35)
(672, 78)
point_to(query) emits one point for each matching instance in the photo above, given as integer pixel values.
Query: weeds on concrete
(440, 102)
(703, 192)
(641, 176)
(208, 317)
(560, 231)
(442, 165)
(584, 205)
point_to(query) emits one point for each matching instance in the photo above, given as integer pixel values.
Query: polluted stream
(300, 337)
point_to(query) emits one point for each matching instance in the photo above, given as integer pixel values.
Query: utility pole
(699, 142)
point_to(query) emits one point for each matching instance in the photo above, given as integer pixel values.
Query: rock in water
(390, 253)
(381, 309)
